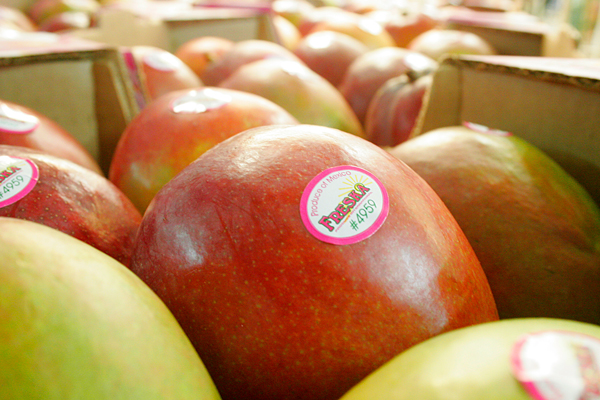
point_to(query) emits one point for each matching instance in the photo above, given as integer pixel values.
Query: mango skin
(277, 314)
(77, 324)
(158, 143)
(471, 363)
(306, 95)
(534, 228)
(78, 202)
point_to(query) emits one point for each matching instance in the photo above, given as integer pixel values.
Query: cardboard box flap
(262, 5)
(17, 43)
(168, 25)
(517, 33)
(583, 70)
(516, 21)
(552, 103)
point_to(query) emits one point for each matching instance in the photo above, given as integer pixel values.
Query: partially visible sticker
(134, 77)
(485, 129)
(199, 101)
(344, 205)
(558, 365)
(16, 121)
(162, 61)
(18, 176)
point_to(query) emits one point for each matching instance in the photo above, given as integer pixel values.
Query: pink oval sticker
(558, 365)
(15, 121)
(344, 205)
(18, 176)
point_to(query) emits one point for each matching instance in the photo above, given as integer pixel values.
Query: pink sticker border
(351, 239)
(27, 189)
(517, 366)
(134, 77)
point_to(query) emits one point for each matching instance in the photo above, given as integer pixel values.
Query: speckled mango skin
(533, 227)
(77, 324)
(309, 97)
(78, 202)
(277, 314)
(472, 363)
(158, 143)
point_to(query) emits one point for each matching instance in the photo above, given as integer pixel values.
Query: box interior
(517, 34)
(84, 92)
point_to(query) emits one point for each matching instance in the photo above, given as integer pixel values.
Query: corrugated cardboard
(169, 24)
(81, 85)
(553, 103)
(516, 33)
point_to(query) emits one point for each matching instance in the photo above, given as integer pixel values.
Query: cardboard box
(81, 85)
(22, 5)
(516, 33)
(553, 103)
(169, 24)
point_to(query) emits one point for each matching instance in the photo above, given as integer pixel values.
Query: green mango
(77, 324)
(534, 228)
(480, 362)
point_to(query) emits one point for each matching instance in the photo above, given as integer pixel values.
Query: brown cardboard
(553, 103)
(169, 24)
(22, 5)
(81, 85)
(516, 33)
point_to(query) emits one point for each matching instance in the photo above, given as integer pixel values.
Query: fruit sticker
(18, 176)
(162, 61)
(199, 101)
(344, 205)
(558, 365)
(134, 77)
(15, 121)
